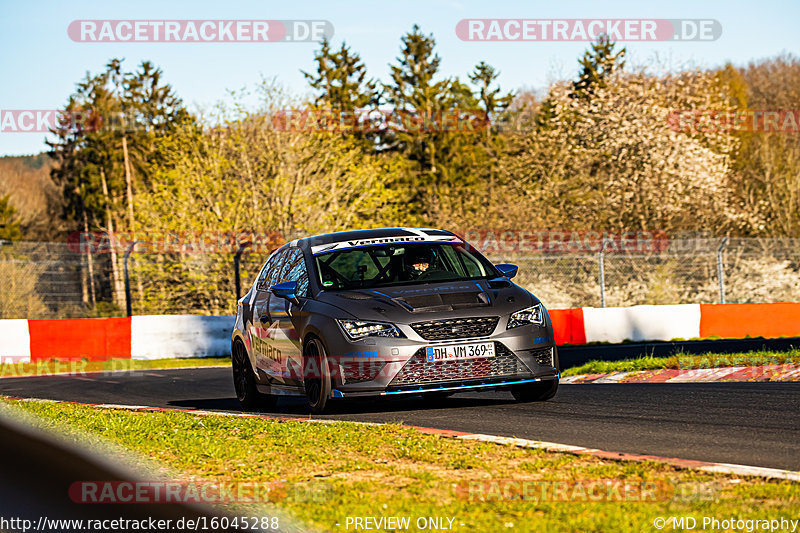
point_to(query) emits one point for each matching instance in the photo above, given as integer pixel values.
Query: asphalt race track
(755, 424)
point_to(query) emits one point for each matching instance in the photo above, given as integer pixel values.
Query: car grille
(418, 370)
(543, 356)
(456, 328)
(360, 371)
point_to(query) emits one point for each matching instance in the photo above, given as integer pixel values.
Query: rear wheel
(535, 392)
(316, 376)
(244, 381)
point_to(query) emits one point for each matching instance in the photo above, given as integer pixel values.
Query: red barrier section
(96, 339)
(99, 339)
(737, 321)
(568, 326)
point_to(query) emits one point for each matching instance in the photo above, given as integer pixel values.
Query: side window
(474, 268)
(275, 268)
(465, 262)
(296, 271)
(264, 274)
(299, 273)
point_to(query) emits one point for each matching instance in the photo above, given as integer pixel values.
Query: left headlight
(357, 329)
(530, 315)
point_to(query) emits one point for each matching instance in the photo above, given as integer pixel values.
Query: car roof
(318, 243)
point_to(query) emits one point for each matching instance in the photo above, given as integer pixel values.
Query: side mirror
(287, 289)
(507, 270)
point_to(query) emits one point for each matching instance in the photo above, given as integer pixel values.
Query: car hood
(410, 303)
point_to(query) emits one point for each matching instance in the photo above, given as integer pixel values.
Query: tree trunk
(90, 262)
(129, 194)
(119, 289)
(129, 187)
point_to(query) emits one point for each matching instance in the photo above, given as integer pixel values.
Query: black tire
(244, 381)
(316, 376)
(535, 392)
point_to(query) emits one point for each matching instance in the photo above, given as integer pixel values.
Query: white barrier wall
(642, 323)
(176, 336)
(15, 341)
(167, 336)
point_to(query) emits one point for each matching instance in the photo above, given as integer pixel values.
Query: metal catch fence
(57, 280)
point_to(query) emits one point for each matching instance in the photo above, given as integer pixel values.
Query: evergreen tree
(415, 96)
(598, 64)
(413, 86)
(114, 104)
(443, 155)
(483, 76)
(341, 80)
(343, 88)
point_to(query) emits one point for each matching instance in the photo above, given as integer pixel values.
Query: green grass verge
(333, 471)
(46, 368)
(686, 362)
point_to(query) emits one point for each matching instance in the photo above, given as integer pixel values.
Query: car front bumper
(465, 386)
(394, 366)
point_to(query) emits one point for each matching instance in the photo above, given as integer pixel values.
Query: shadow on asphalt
(293, 406)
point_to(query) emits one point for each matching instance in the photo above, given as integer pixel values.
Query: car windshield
(388, 265)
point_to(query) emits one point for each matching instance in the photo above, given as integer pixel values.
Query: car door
(267, 354)
(283, 314)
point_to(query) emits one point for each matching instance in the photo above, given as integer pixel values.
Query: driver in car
(419, 263)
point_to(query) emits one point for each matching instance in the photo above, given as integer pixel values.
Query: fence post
(720, 272)
(601, 264)
(128, 305)
(236, 258)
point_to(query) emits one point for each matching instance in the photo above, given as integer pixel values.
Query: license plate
(459, 351)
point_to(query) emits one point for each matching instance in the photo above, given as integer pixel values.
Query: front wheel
(244, 381)
(316, 376)
(535, 392)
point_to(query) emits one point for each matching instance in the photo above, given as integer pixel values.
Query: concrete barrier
(15, 340)
(642, 323)
(96, 339)
(168, 336)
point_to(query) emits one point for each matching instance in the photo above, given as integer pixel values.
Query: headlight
(523, 317)
(356, 329)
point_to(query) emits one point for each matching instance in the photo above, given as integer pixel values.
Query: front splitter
(336, 393)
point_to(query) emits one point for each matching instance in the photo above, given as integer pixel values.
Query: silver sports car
(388, 312)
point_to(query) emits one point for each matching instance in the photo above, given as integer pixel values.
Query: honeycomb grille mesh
(360, 371)
(456, 328)
(418, 370)
(543, 356)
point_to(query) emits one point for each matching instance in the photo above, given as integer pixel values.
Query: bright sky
(41, 64)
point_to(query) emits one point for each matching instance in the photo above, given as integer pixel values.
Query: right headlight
(358, 329)
(524, 317)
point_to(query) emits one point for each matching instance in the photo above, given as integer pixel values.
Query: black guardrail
(570, 356)
(39, 469)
